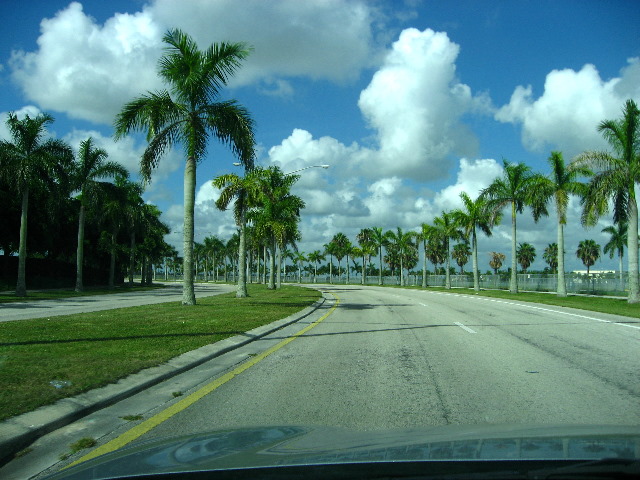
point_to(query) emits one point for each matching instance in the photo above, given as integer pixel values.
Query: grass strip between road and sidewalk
(90, 350)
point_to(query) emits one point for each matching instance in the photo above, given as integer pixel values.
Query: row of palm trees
(611, 179)
(32, 165)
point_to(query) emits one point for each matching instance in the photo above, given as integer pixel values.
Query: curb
(20, 431)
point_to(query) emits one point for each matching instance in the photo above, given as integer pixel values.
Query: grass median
(614, 306)
(90, 350)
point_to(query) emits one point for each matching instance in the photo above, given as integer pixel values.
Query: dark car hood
(310, 445)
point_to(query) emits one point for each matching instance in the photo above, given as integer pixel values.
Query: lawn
(94, 349)
(595, 304)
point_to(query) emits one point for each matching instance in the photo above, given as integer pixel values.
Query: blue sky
(410, 102)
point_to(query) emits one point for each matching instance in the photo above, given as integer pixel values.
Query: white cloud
(566, 115)
(30, 110)
(414, 102)
(329, 39)
(88, 70)
(472, 177)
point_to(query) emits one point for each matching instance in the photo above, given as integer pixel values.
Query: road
(397, 358)
(93, 303)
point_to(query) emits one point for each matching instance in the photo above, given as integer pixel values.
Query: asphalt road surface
(394, 358)
(390, 358)
(93, 303)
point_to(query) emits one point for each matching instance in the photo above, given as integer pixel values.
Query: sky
(409, 102)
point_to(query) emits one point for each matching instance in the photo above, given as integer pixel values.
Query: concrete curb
(19, 432)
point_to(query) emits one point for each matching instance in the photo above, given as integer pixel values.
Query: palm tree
(436, 250)
(27, 162)
(315, 257)
(513, 189)
(616, 176)
(400, 244)
(276, 218)
(496, 261)
(588, 251)
(449, 229)
(616, 243)
(245, 191)
(526, 255)
(341, 245)
(188, 113)
(461, 253)
(299, 258)
(476, 215)
(91, 165)
(561, 182)
(378, 240)
(550, 256)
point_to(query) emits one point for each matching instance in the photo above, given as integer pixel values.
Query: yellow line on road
(157, 419)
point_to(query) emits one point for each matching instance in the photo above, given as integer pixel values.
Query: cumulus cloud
(291, 38)
(566, 115)
(89, 71)
(415, 103)
(472, 177)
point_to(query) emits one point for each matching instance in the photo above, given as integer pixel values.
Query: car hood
(313, 445)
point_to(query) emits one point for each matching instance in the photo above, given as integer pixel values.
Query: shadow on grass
(132, 337)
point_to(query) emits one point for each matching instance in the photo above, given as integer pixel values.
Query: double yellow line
(142, 428)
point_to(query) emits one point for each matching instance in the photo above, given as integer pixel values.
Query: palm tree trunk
(80, 250)
(380, 266)
(21, 284)
(424, 264)
(272, 266)
(621, 275)
(279, 267)
(347, 279)
(331, 269)
(513, 283)
(112, 262)
(132, 249)
(188, 294)
(401, 272)
(447, 274)
(562, 284)
(241, 291)
(632, 247)
(474, 260)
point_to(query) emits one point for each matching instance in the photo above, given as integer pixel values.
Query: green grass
(595, 304)
(70, 292)
(94, 349)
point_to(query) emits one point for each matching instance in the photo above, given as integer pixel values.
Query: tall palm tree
(475, 215)
(277, 216)
(514, 189)
(341, 245)
(558, 185)
(315, 257)
(246, 192)
(616, 243)
(378, 240)
(615, 179)
(496, 261)
(449, 230)
(400, 244)
(526, 254)
(188, 113)
(588, 251)
(550, 256)
(299, 258)
(30, 162)
(91, 165)
(461, 253)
